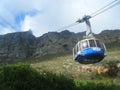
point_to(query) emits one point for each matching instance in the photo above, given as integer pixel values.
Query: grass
(67, 66)
(57, 72)
(24, 77)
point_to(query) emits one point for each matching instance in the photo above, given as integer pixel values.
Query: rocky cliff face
(53, 42)
(21, 45)
(16, 46)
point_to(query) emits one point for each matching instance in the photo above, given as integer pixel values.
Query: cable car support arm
(85, 19)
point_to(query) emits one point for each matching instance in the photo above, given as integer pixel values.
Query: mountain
(21, 45)
(110, 37)
(16, 46)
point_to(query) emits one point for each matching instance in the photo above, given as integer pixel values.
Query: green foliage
(23, 77)
(18, 77)
(96, 85)
(112, 68)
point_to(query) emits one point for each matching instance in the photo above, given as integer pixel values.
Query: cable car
(89, 50)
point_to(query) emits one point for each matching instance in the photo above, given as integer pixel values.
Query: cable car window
(84, 44)
(102, 45)
(98, 44)
(92, 43)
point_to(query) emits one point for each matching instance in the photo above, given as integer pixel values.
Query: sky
(42, 16)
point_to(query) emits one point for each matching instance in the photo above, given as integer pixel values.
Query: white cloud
(55, 14)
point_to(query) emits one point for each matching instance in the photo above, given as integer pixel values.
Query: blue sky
(42, 16)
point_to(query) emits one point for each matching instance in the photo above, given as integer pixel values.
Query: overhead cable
(105, 8)
(99, 11)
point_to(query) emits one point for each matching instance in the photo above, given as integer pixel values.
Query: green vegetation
(113, 69)
(67, 66)
(24, 77)
(58, 72)
(96, 85)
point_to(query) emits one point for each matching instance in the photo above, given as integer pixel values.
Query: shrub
(112, 68)
(23, 77)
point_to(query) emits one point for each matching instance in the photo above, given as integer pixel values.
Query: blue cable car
(89, 50)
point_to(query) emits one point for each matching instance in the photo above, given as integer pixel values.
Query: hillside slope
(21, 45)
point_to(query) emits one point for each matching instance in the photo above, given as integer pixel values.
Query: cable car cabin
(88, 51)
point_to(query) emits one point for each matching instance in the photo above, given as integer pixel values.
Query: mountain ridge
(21, 45)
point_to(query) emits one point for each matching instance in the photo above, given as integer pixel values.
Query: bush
(18, 77)
(23, 77)
(112, 68)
